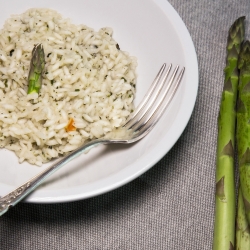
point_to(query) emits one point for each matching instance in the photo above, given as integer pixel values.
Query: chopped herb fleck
(77, 90)
(48, 54)
(11, 52)
(117, 46)
(124, 79)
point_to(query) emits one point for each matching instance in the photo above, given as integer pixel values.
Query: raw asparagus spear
(36, 69)
(243, 125)
(224, 228)
(242, 228)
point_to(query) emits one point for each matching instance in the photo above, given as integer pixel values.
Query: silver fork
(139, 124)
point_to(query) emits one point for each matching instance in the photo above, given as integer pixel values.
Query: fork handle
(25, 189)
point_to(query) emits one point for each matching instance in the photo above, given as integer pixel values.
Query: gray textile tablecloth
(172, 205)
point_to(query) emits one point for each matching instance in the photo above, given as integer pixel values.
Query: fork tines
(156, 100)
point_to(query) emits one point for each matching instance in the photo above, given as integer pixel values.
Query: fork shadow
(77, 167)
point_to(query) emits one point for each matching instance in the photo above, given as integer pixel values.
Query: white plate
(152, 31)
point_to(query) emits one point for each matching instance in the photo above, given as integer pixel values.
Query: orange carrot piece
(70, 126)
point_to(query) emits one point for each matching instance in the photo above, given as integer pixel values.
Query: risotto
(87, 90)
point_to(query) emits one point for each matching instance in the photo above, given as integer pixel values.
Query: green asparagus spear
(224, 228)
(242, 228)
(36, 69)
(243, 125)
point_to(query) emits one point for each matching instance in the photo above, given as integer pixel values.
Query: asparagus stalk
(224, 228)
(242, 229)
(36, 69)
(243, 126)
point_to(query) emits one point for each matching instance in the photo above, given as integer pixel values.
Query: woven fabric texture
(172, 205)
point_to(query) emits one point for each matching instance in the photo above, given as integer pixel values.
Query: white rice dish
(87, 80)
